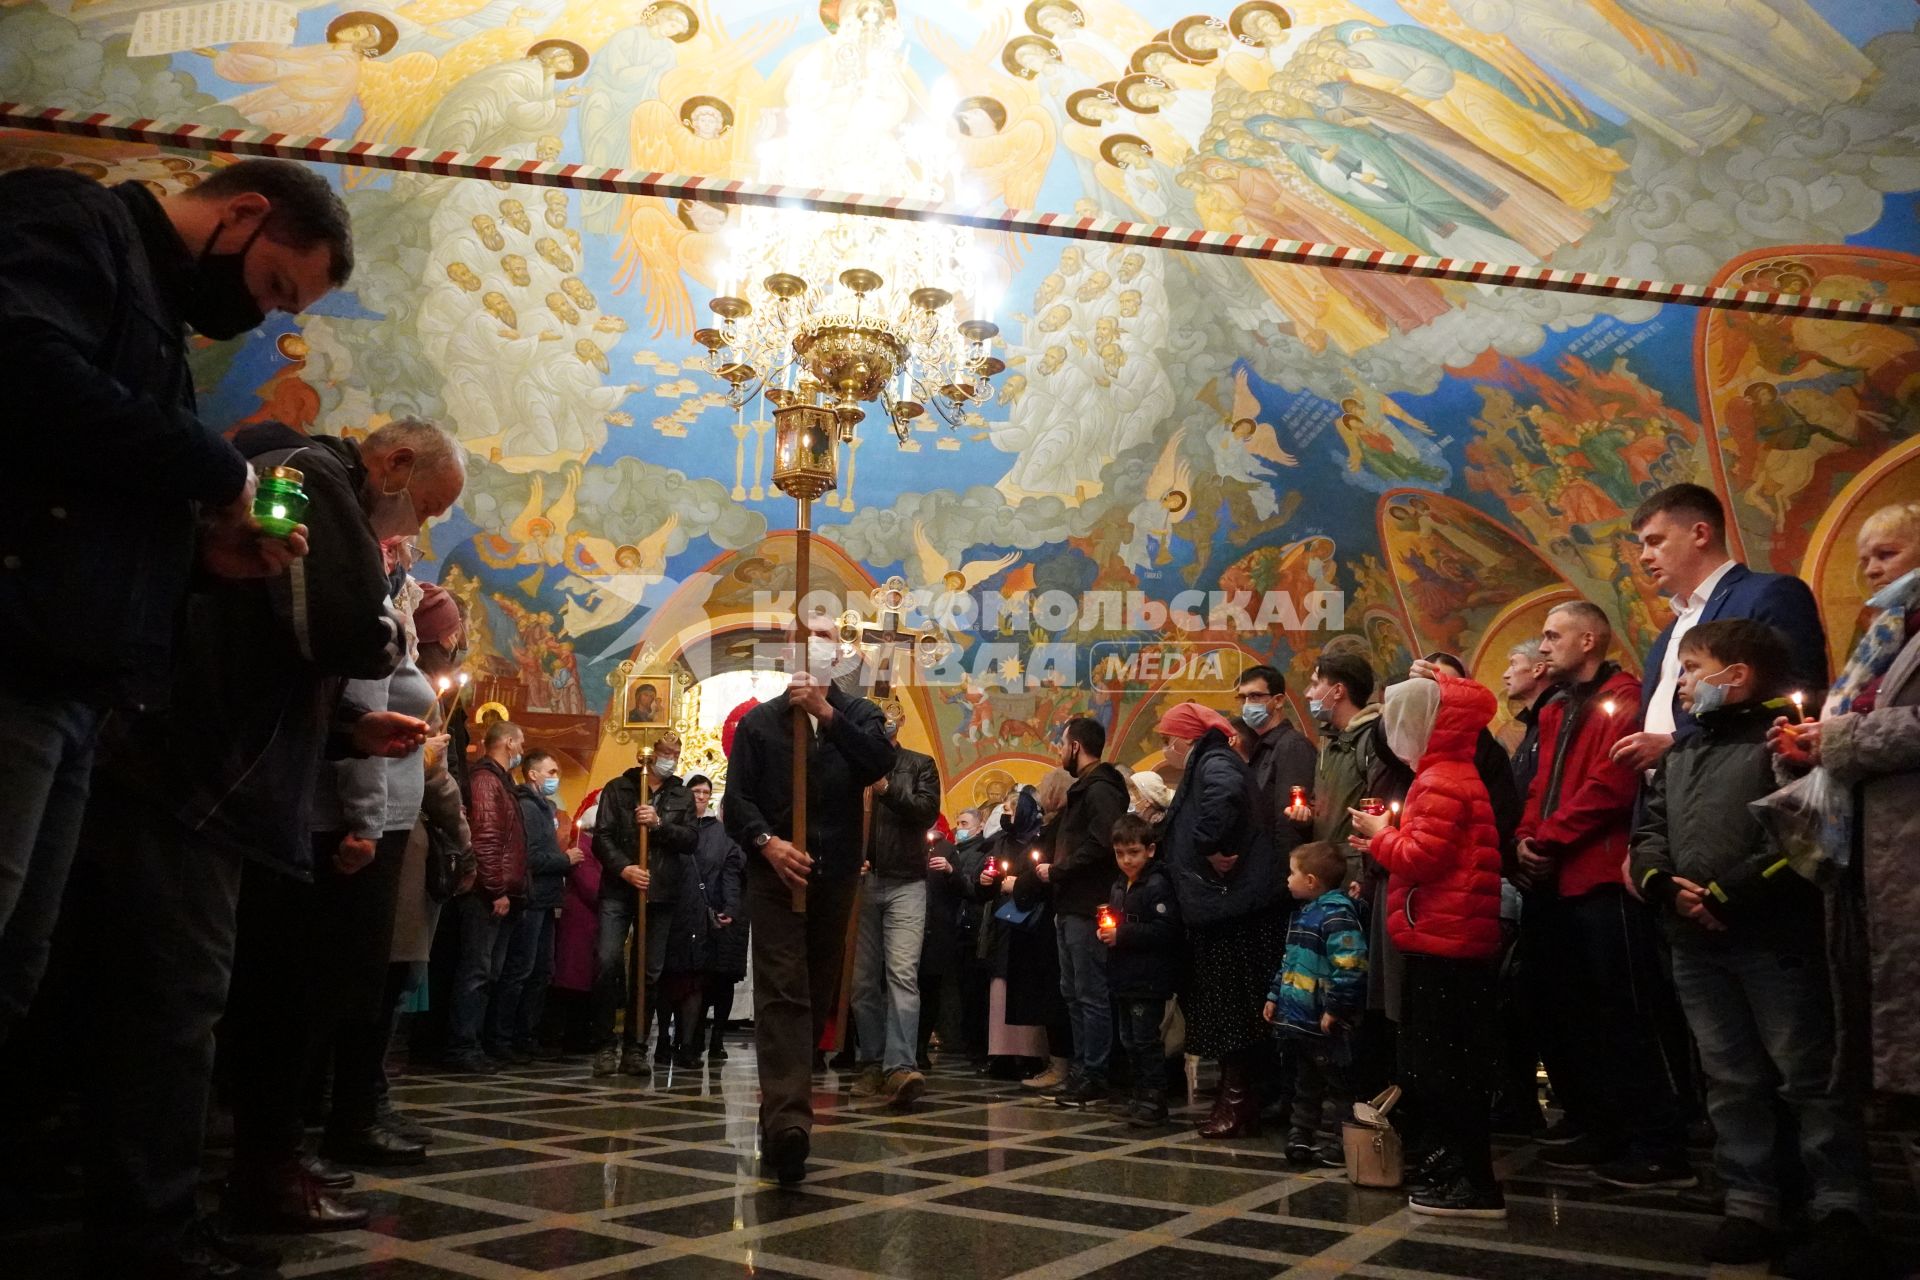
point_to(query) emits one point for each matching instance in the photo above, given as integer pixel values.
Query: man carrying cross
(797, 956)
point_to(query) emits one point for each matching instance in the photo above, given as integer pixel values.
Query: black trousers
(797, 962)
(1607, 991)
(1447, 1053)
(152, 912)
(352, 987)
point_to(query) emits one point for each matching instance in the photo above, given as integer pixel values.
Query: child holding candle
(1318, 996)
(1140, 924)
(1748, 942)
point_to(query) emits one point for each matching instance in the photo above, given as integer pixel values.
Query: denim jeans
(474, 974)
(886, 970)
(513, 964)
(47, 745)
(533, 996)
(1138, 1022)
(1763, 1019)
(1083, 985)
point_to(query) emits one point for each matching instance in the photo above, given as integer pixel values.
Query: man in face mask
(1281, 758)
(672, 845)
(114, 483)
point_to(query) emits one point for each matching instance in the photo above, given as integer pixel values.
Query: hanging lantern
(803, 436)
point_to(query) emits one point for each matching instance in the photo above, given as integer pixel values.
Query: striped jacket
(1325, 970)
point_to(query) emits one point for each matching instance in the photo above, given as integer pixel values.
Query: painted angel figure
(1168, 500)
(1246, 448)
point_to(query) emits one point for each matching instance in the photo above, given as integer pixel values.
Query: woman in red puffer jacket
(1443, 900)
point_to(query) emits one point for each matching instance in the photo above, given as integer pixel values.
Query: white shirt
(1659, 712)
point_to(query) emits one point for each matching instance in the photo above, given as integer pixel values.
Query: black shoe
(633, 1061)
(328, 1175)
(1640, 1173)
(1300, 1153)
(717, 1050)
(510, 1054)
(1437, 1170)
(546, 1052)
(1146, 1114)
(783, 1155)
(819, 1061)
(1330, 1156)
(688, 1060)
(1840, 1244)
(282, 1200)
(1739, 1241)
(474, 1064)
(843, 1061)
(1587, 1152)
(390, 1118)
(1561, 1133)
(208, 1234)
(1524, 1120)
(1459, 1199)
(923, 1064)
(1090, 1091)
(372, 1145)
(606, 1060)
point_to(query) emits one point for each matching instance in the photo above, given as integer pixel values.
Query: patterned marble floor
(547, 1171)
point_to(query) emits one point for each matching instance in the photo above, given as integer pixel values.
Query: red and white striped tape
(675, 186)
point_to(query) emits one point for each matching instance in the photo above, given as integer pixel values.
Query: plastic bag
(1810, 821)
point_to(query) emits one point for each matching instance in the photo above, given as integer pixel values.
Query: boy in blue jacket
(1318, 996)
(1141, 926)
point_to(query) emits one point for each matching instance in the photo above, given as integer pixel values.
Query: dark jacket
(1696, 825)
(547, 864)
(98, 494)
(1144, 961)
(1778, 599)
(1580, 808)
(947, 912)
(670, 846)
(1082, 865)
(1282, 759)
(1490, 761)
(847, 754)
(256, 687)
(1526, 756)
(1211, 813)
(902, 815)
(723, 873)
(499, 835)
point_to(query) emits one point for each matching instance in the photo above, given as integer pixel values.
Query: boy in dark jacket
(1141, 926)
(1749, 960)
(1317, 997)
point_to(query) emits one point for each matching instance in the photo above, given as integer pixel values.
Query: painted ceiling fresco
(1450, 457)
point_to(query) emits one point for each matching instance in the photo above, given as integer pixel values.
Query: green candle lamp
(280, 503)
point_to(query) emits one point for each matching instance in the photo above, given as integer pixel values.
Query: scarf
(1886, 635)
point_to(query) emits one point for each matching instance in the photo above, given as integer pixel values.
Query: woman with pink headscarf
(1232, 890)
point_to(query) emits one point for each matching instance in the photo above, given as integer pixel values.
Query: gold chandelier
(839, 311)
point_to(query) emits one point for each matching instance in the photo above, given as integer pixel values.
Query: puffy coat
(1325, 968)
(1148, 943)
(499, 839)
(1580, 807)
(1443, 860)
(1211, 813)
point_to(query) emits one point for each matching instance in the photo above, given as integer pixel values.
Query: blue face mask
(550, 786)
(513, 761)
(1254, 713)
(1316, 707)
(965, 834)
(1709, 698)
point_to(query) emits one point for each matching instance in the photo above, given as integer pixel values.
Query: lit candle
(463, 678)
(1036, 855)
(1395, 809)
(1006, 865)
(445, 684)
(1799, 700)
(1608, 707)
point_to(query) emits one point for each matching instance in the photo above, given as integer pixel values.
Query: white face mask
(665, 765)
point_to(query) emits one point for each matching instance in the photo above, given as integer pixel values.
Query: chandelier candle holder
(872, 310)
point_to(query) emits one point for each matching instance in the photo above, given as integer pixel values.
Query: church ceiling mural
(1448, 457)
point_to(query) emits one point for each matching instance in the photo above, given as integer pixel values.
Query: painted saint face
(497, 306)
(556, 60)
(1129, 303)
(1052, 360)
(549, 248)
(547, 149)
(558, 304)
(578, 293)
(1106, 330)
(489, 232)
(706, 122)
(516, 268)
(592, 355)
(462, 274)
(516, 215)
(1055, 319)
(1096, 284)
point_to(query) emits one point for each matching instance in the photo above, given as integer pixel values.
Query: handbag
(1029, 919)
(450, 866)
(1375, 1157)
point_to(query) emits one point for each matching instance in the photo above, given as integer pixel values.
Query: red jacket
(499, 841)
(1443, 860)
(1589, 825)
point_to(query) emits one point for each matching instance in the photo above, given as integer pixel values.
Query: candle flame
(463, 677)
(1608, 706)
(1036, 855)
(445, 684)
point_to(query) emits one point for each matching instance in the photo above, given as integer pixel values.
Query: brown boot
(1236, 1112)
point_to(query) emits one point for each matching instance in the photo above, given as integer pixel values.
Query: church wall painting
(1168, 422)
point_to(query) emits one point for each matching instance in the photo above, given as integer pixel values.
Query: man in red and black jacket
(1622, 1114)
(499, 889)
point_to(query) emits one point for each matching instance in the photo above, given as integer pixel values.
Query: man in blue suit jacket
(1683, 547)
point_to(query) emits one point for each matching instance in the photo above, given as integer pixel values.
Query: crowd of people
(242, 829)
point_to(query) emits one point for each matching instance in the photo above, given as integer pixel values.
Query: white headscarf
(1409, 713)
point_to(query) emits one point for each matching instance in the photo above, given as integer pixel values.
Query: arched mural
(1441, 459)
